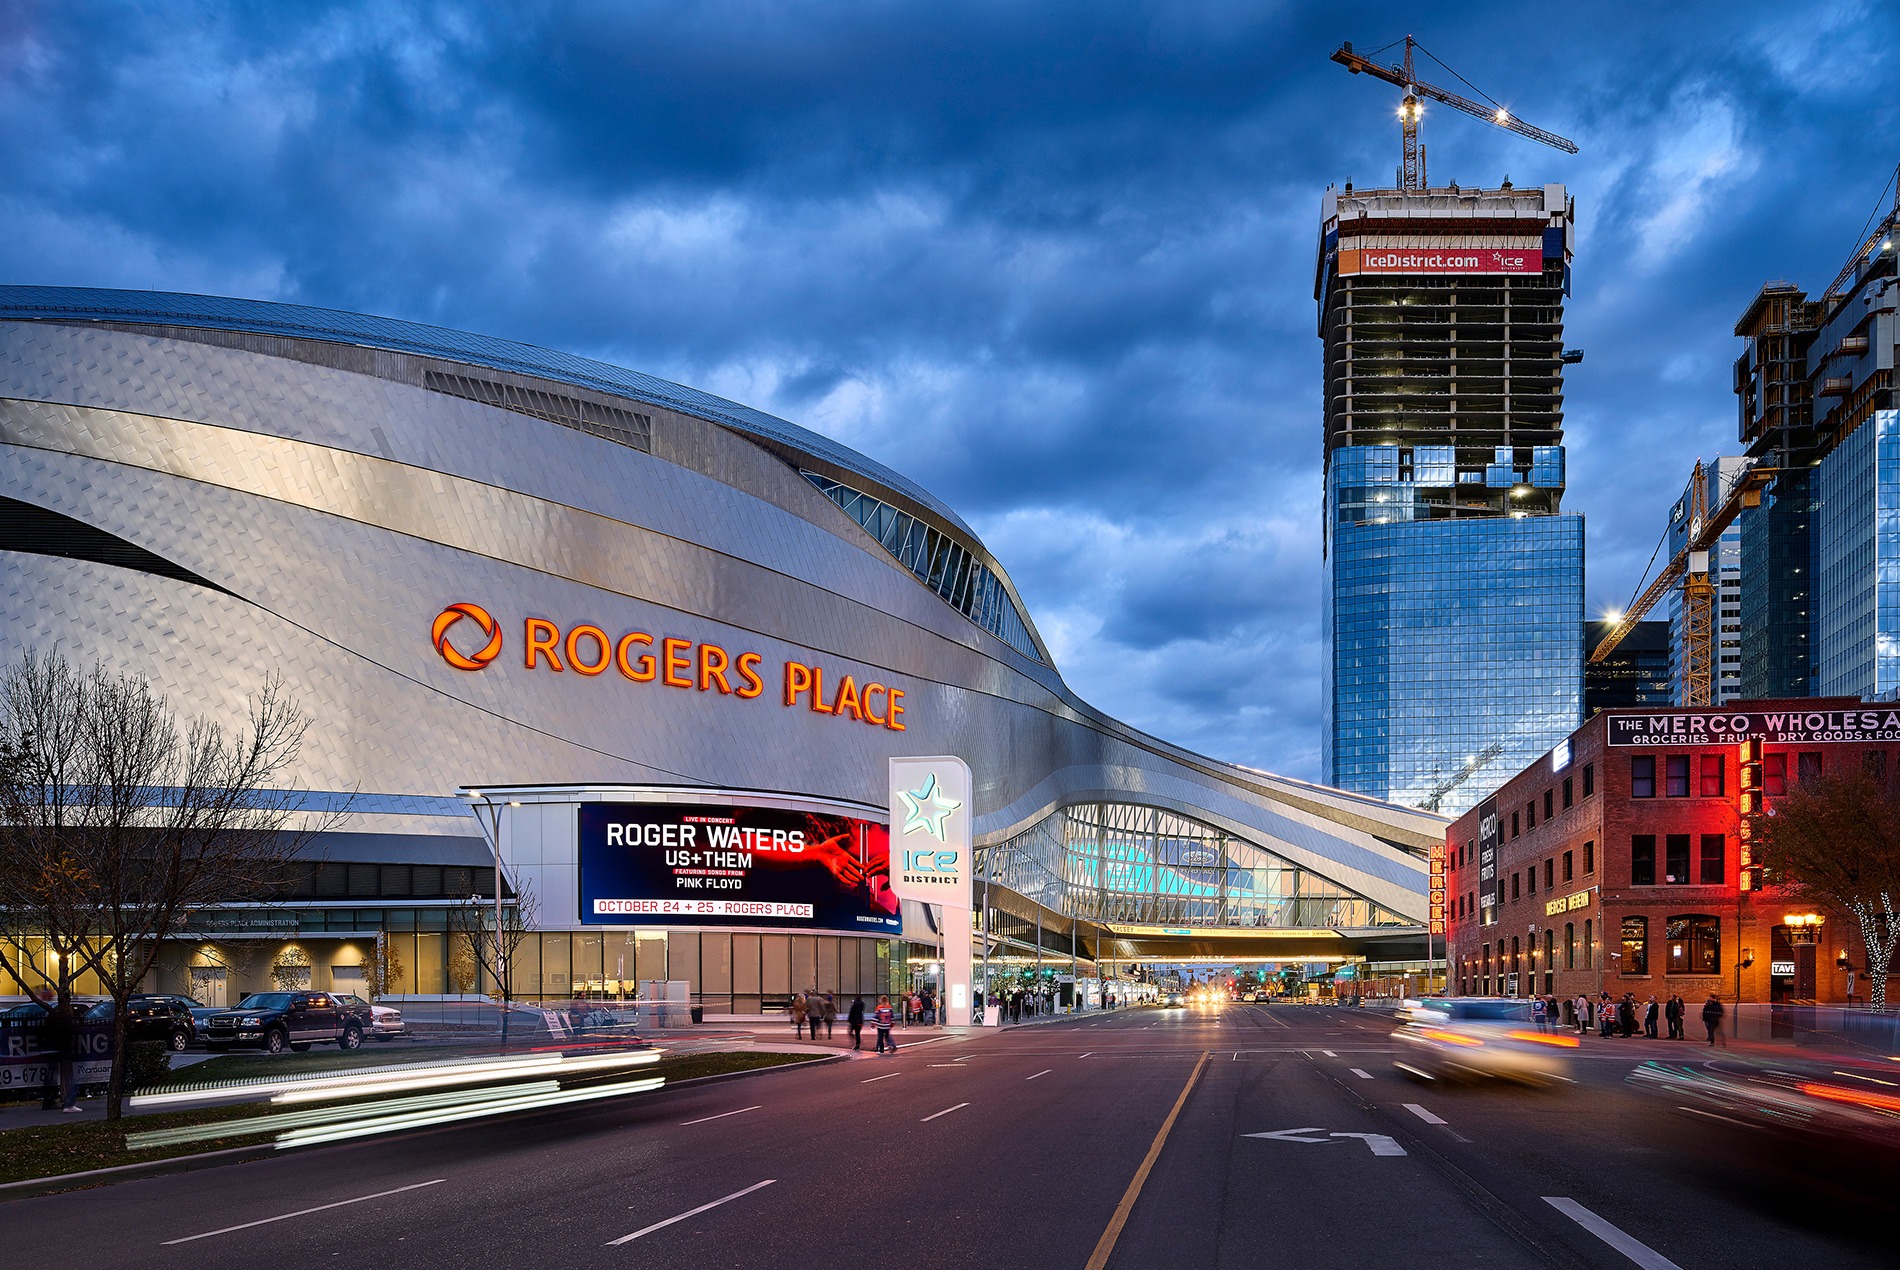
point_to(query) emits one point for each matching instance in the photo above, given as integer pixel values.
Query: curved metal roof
(298, 321)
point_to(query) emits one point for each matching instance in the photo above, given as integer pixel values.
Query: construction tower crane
(1412, 175)
(1691, 566)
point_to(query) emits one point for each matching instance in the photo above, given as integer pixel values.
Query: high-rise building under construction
(1453, 605)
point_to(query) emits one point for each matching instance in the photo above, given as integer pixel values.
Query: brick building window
(1589, 779)
(1678, 775)
(1513, 824)
(1568, 782)
(1550, 874)
(1589, 944)
(1714, 861)
(1774, 775)
(1635, 945)
(1530, 880)
(1808, 766)
(1530, 814)
(1589, 857)
(1570, 859)
(1570, 945)
(1643, 859)
(1713, 767)
(1695, 944)
(1643, 776)
(1514, 885)
(1676, 859)
(1548, 795)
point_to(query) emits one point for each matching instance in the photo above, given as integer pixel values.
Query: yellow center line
(1105, 1246)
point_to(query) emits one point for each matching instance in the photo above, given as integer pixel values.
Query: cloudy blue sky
(1052, 260)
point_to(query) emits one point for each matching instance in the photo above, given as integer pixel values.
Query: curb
(28, 1188)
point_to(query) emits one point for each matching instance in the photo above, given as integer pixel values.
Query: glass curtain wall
(1121, 863)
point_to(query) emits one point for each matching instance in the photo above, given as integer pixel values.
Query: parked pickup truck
(276, 1021)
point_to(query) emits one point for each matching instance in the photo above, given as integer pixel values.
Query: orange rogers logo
(446, 620)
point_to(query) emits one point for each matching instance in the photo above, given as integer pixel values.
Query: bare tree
(493, 937)
(1837, 840)
(125, 821)
(382, 968)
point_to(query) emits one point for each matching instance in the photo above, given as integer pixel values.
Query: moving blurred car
(1172, 998)
(1482, 1037)
(385, 1021)
(1796, 1125)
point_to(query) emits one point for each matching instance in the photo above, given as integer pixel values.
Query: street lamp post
(488, 816)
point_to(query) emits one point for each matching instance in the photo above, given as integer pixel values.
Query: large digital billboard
(692, 865)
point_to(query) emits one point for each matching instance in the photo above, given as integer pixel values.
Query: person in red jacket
(884, 1018)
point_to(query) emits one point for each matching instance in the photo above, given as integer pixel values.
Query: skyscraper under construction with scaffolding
(1453, 605)
(1453, 599)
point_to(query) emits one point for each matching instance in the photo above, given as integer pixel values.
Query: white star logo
(927, 808)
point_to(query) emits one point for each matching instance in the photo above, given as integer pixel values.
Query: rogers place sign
(1781, 727)
(587, 650)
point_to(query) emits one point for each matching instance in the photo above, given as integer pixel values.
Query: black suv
(276, 1021)
(154, 1018)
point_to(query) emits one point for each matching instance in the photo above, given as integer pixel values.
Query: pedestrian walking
(854, 1022)
(830, 1016)
(1582, 1007)
(1540, 1014)
(1650, 1011)
(799, 1010)
(1673, 1013)
(1712, 1019)
(882, 1018)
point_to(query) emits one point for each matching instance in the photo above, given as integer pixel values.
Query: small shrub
(146, 1063)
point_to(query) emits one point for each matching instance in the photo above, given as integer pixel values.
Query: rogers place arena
(653, 648)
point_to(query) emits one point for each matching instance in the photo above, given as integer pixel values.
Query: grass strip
(56, 1149)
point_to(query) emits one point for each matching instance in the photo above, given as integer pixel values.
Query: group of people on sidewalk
(1608, 1016)
(812, 1008)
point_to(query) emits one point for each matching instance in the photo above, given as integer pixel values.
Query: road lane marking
(1329, 1054)
(1044, 1072)
(1085, 1055)
(1641, 1253)
(885, 1076)
(691, 1212)
(1105, 1246)
(1423, 1114)
(302, 1212)
(1362, 1073)
(946, 1111)
(722, 1115)
(1379, 1142)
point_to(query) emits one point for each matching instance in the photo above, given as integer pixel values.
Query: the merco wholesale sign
(587, 650)
(1354, 260)
(1783, 727)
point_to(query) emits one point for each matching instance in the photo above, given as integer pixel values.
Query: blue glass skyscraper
(1453, 605)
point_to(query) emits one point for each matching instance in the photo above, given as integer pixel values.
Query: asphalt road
(1013, 1149)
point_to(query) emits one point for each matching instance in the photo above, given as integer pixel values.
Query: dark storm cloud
(1053, 261)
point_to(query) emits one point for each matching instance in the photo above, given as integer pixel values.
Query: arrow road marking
(1290, 1135)
(1377, 1143)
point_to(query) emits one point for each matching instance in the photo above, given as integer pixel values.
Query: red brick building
(1617, 862)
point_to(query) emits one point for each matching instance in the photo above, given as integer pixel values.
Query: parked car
(385, 1021)
(276, 1021)
(153, 1018)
